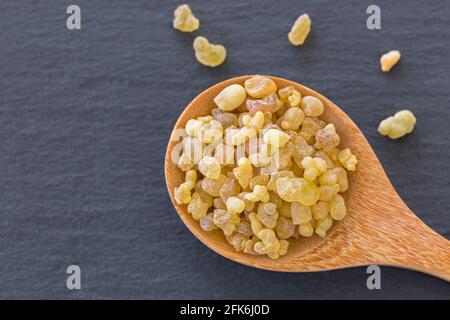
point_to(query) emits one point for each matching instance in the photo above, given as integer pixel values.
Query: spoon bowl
(379, 227)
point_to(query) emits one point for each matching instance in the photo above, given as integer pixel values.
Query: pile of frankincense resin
(264, 168)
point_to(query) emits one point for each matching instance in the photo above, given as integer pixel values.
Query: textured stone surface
(85, 117)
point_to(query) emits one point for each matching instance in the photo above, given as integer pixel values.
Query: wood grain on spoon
(378, 229)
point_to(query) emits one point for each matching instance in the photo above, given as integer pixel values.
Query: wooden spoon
(379, 228)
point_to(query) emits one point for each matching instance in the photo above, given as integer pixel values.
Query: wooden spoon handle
(415, 246)
(422, 250)
(396, 236)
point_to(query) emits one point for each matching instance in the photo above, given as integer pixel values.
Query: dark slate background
(85, 117)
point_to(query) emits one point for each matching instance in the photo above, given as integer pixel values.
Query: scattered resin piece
(399, 125)
(300, 30)
(184, 20)
(390, 59)
(211, 55)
